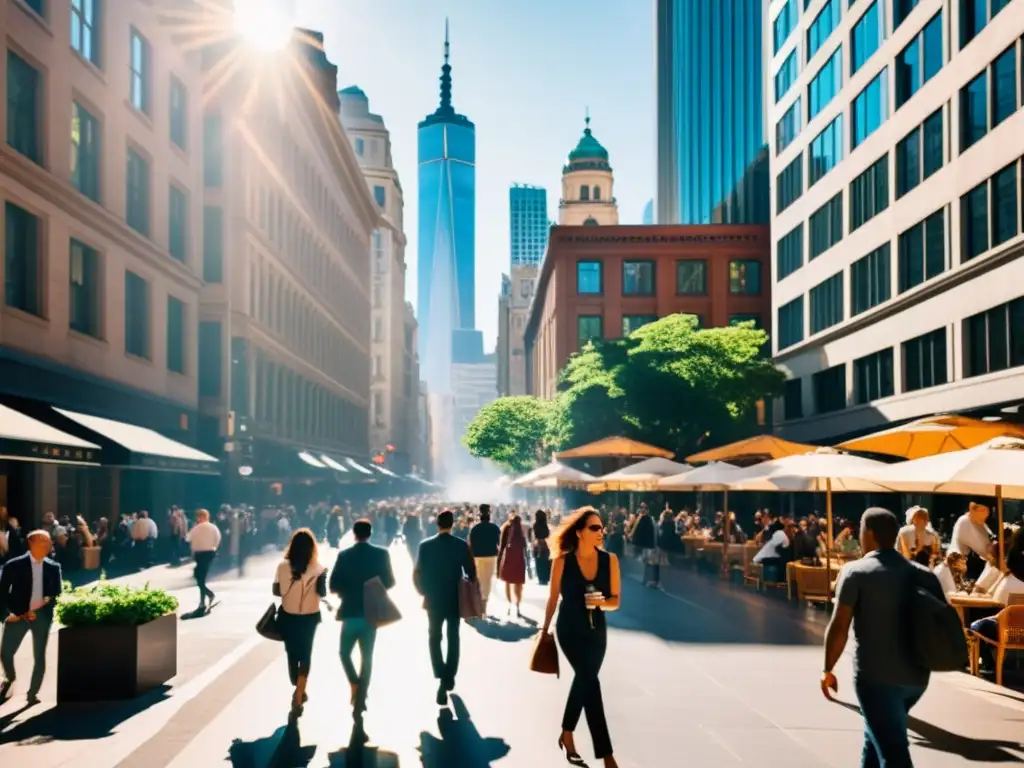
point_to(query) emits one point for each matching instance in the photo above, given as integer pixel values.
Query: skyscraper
(528, 223)
(712, 160)
(447, 202)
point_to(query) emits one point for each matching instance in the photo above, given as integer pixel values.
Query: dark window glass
(140, 75)
(869, 110)
(213, 150)
(908, 163)
(692, 277)
(22, 260)
(39, 6)
(1004, 205)
(24, 102)
(637, 278)
(791, 323)
(822, 26)
(932, 57)
(745, 277)
(826, 226)
(84, 294)
(783, 25)
(177, 224)
(900, 10)
(380, 195)
(589, 328)
(865, 38)
(924, 361)
(933, 144)
(1004, 85)
(973, 111)
(85, 152)
(136, 315)
(825, 85)
(789, 185)
(786, 76)
(1016, 319)
(175, 335)
(213, 244)
(179, 112)
(935, 244)
(973, 18)
(138, 193)
(790, 253)
(210, 359)
(870, 282)
(908, 71)
(922, 251)
(827, 303)
(826, 150)
(631, 323)
(588, 277)
(873, 377)
(829, 387)
(788, 128)
(869, 193)
(793, 399)
(974, 222)
(85, 25)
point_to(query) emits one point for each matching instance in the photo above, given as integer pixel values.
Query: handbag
(267, 625)
(377, 605)
(471, 605)
(544, 656)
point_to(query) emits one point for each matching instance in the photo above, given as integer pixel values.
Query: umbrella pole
(999, 522)
(725, 543)
(828, 536)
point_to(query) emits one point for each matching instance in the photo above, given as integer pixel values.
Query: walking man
(872, 594)
(204, 539)
(355, 566)
(29, 586)
(441, 562)
(483, 543)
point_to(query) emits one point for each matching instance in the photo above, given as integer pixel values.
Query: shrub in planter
(115, 642)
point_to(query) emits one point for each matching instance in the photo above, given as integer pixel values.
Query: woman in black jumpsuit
(587, 580)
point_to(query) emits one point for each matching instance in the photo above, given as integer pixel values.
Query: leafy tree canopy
(512, 432)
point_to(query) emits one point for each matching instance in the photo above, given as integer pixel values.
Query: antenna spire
(446, 76)
(586, 120)
(445, 39)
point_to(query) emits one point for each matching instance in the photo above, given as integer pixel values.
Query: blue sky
(524, 72)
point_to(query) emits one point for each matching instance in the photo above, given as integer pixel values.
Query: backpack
(937, 639)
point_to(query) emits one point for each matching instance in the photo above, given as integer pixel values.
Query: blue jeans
(886, 711)
(987, 627)
(365, 634)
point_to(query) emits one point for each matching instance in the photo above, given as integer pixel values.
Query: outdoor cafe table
(963, 602)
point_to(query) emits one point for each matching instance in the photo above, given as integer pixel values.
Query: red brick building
(605, 282)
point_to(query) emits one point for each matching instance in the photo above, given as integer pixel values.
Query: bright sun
(263, 23)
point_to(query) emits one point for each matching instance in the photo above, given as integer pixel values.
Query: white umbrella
(561, 476)
(537, 474)
(995, 468)
(640, 475)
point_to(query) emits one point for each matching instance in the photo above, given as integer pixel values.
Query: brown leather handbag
(377, 605)
(471, 605)
(544, 657)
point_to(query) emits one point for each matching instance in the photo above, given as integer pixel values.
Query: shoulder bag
(267, 625)
(377, 605)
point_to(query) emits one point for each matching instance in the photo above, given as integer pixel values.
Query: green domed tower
(587, 184)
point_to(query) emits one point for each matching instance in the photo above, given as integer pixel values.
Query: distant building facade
(513, 313)
(474, 385)
(528, 223)
(648, 218)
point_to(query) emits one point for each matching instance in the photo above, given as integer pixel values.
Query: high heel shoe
(573, 758)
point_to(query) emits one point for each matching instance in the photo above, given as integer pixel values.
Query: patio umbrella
(563, 476)
(759, 447)
(826, 470)
(642, 476)
(621, 447)
(995, 468)
(537, 474)
(933, 435)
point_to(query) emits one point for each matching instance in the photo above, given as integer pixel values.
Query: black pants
(203, 562)
(445, 666)
(298, 631)
(584, 648)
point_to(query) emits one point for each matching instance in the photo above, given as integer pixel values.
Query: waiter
(204, 539)
(972, 539)
(29, 585)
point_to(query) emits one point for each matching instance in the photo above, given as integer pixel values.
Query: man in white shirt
(972, 537)
(204, 539)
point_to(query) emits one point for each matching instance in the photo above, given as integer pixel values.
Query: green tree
(512, 432)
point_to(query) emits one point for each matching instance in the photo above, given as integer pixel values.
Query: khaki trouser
(485, 568)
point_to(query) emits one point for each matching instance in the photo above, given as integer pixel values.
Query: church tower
(587, 191)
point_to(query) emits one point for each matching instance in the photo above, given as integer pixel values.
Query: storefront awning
(311, 460)
(26, 439)
(358, 467)
(145, 448)
(337, 467)
(384, 470)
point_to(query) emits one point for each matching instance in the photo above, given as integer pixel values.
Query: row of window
(638, 277)
(591, 327)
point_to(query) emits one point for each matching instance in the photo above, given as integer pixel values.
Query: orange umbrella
(759, 447)
(621, 447)
(933, 435)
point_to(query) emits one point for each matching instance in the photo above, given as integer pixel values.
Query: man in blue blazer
(29, 586)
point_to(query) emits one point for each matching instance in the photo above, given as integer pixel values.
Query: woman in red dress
(512, 560)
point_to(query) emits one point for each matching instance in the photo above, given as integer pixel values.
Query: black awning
(24, 438)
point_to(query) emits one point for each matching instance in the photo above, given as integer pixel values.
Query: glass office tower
(712, 155)
(447, 203)
(528, 223)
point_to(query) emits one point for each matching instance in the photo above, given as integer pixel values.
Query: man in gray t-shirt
(871, 595)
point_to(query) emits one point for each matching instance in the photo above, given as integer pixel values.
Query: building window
(136, 316)
(924, 361)
(179, 112)
(974, 222)
(869, 110)
(827, 303)
(826, 150)
(213, 150)
(746, 317)
(177, 224)
(140, 74)
(788, 128)
(919, 61)
(995, 339)
(23, 280)
(210, 359)
(1004, 205)
(783, 25)
(791, 323)
(24, 102)
(786, 76)
(1004, 85)
(822, 26)
(588, 278)
(213, 244)
(378, 329)
(360, 146)
(974, 111)
(138, 193)
(900, 10)
(588, 328)
(869, 193)
(920, 154)
(380, 195)
(866, 37)
(922, 251)
(631, 323)
(873, 377)
(85, 152)
(829, 388)
(584, 192)
(39, 6)
(745, 277)
(84, 26)
(975, 16)
(825, 85)
(789, 185)
(638, 278)
(692, 277)
(597, 192)
(826, 226)
(870, 280)
(789, 256)
(175, 335)
(84, 293)
(793, 399)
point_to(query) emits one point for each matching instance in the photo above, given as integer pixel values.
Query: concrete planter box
(109, 663)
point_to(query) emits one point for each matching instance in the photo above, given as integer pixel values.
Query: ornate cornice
(599, 237)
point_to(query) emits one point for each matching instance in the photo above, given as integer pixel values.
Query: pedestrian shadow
(461, 743)
(282, 749)
(77, 722)
(355, 755)
(506, 633)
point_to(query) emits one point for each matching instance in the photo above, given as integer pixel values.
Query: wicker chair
(811, 584)
(1010, 636)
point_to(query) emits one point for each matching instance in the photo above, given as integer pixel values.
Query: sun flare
(264, 24)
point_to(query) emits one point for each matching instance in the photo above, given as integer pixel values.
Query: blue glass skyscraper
(528, 223)
(446, 253)
(711, 134)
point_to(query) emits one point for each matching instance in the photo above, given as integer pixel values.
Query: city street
(701, 675)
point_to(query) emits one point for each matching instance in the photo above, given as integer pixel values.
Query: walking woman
(300, 582)
(541, 552)
(512, 560)
(588, 581)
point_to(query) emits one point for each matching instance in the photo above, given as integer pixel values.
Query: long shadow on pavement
(461, 743)
(506, 633)
(282, 749)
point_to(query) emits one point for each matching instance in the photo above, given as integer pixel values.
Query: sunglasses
(595, 527)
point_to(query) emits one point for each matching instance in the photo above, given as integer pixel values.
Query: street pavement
(701, 674)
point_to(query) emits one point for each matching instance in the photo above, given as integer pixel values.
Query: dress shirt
(1007, 587)
(970, 537)
(774, 547)
(140, 529)
(151, 528)
(37, 600)
(204, 537)
(945, 577)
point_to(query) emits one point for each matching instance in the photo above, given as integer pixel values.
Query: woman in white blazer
(300, 582)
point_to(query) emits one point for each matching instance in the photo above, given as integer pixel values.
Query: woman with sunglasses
(587, 580)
